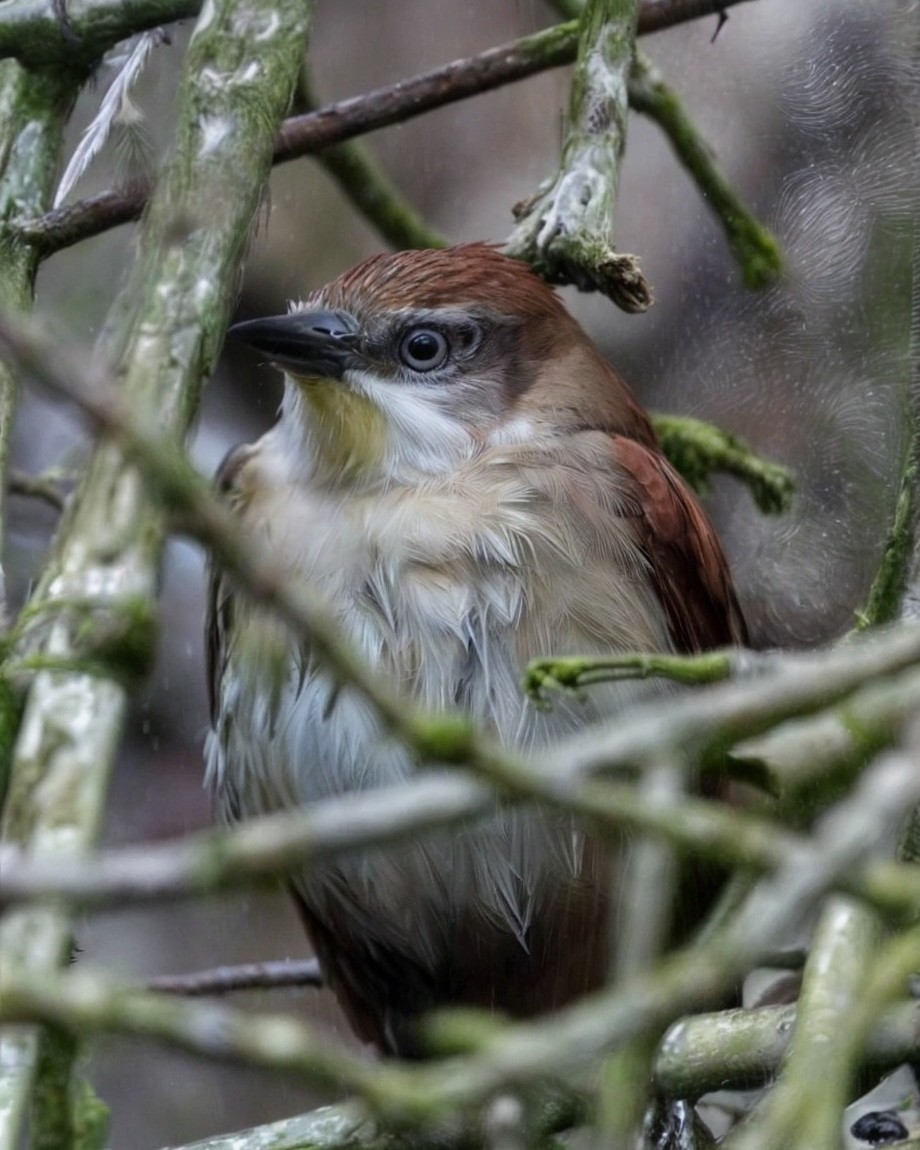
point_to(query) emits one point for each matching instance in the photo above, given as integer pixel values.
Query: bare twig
(249, 976)
(35, 487)
(304, 135)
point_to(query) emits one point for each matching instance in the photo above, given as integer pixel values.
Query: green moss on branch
(697, 449)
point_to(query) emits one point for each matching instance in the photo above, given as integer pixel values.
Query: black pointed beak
(312, 343)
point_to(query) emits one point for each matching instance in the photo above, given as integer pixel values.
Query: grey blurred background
(809, 107)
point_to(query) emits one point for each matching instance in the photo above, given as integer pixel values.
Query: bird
(470, 485)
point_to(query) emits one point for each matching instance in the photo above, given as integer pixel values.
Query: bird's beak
(309, 343)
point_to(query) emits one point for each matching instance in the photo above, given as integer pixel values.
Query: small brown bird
(471, 485)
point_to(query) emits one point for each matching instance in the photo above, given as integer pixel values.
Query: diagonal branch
(560, 1045)
(305, 135)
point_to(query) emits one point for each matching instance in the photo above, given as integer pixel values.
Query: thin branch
(755, 248)
(803, 756)
(573, 672)
(42, 487)
(560, 1045)
(305, 135)
(223, 858)
(361, 179)
(886, 600)
(38, 36)
(249, 976)
(666, 13)
(565, 231)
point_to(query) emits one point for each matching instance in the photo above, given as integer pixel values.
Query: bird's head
(409, 362)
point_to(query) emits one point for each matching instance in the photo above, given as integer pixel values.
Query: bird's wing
(688, 567)
(219, 617)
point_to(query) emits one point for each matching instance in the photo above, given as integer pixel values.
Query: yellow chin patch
(348, 429)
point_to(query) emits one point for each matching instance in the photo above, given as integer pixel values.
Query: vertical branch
(565, 231)
(797, 1115)
(33, 109)
(164, 332)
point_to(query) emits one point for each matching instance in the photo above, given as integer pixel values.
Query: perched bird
(471, 485)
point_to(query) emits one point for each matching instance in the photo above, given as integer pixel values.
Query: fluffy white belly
(445, 608)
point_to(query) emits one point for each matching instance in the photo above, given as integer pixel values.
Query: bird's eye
(423, 349)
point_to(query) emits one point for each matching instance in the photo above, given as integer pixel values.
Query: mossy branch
(697, 449)
(564, 231)
(753, 245)
(507, 1056)
(573, 673)
(887, 594)
(796, 1115)
(362, 180)
(163, 332)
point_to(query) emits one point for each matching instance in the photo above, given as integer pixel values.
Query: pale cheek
(424, 431)
(513, 431)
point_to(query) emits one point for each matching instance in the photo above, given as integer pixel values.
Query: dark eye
(423, 349)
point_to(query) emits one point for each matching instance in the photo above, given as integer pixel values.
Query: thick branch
(44, 36)
(565, 230)
(341, 1127)
(163, 332)
(33, 111)
(743, 1049)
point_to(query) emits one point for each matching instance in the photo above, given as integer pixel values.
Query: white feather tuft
(117, 111)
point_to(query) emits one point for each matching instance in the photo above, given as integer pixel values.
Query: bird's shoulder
(233, 481)
(620, 486)
(688, 565)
